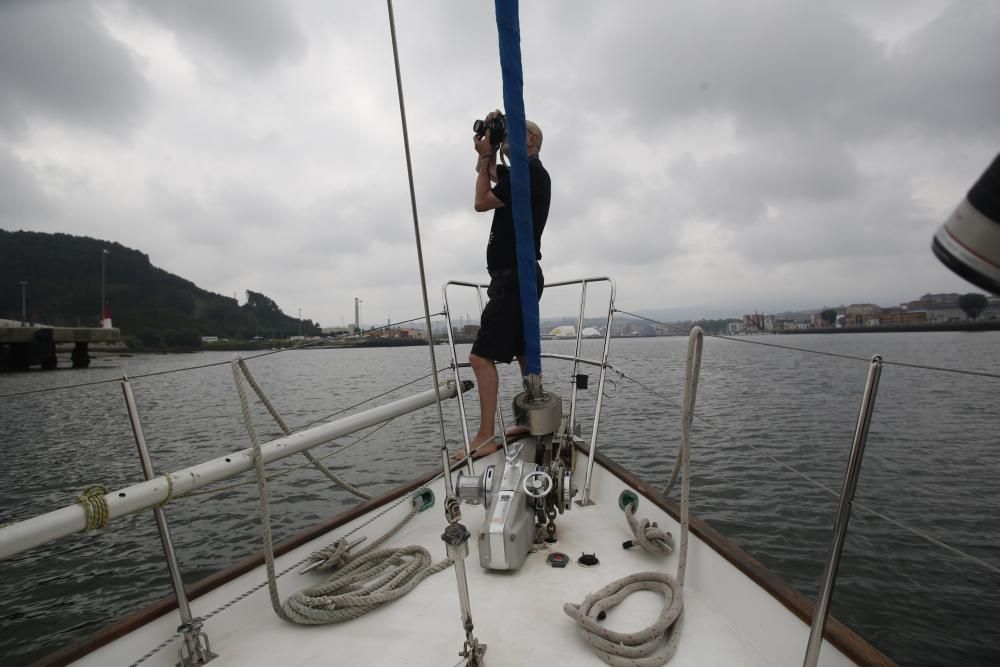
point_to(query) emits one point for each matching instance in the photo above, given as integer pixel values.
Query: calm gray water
(932, 463)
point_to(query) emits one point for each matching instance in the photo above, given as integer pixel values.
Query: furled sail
(509, 30)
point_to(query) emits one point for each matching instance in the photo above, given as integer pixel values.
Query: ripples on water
(931, 463)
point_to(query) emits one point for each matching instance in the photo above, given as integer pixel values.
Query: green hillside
(147, 303)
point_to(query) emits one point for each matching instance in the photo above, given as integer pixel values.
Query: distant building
(947, 300)
(819, 323)
(938, 307)
(862, 315)
(893, 317)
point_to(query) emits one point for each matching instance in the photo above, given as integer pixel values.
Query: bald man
(501, 337)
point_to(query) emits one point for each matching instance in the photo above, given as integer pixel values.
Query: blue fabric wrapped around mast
(509, 31)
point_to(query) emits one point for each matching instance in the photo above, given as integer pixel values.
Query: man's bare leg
(517, 429)
(489, 383)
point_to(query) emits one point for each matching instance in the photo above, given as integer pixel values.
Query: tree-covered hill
(63, 273)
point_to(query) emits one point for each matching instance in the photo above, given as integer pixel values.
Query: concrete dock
(35, 345)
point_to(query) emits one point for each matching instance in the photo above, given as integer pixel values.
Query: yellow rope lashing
(94, 506)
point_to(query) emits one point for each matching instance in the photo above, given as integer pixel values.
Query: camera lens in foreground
(968, 242)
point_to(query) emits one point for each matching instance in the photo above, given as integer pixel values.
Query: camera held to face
(497, 127)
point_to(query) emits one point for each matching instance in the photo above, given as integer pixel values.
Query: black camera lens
(968, 242)
(497, 127)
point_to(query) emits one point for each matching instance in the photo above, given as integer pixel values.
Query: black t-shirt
(500, 251)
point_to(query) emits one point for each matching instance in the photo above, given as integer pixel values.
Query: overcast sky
(733, 156)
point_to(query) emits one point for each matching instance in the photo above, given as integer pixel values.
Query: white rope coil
(649, 647)
(655, 645)
(363, 585)
(367, 580)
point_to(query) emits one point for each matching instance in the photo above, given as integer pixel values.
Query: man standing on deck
(501, 336)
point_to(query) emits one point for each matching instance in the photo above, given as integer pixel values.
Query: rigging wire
(815, 482)
(7, 519)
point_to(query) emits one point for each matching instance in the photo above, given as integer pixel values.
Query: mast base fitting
(542, 415)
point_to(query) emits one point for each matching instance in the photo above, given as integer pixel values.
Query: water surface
(765, 418)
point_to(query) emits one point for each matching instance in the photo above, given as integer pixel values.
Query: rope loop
(649, 536)
(362, 585)
(333, 556)
(95, 506)
(650, 647)
(170, 492)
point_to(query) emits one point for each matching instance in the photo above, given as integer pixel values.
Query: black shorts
(501, 334)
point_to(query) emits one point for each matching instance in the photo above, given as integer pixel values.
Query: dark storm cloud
(59, 62)
(253, 35)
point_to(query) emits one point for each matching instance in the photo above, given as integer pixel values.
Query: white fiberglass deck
(728, 619)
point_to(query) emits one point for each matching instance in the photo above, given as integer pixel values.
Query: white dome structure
(591, 332)
(564, 331)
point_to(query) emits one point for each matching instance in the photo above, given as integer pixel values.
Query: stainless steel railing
(575, 358)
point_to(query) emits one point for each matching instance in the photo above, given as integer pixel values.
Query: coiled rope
(656, 644)
(389, 573)
(362, 585)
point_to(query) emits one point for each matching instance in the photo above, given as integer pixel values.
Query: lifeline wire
(939, 369)
(814, 482)
(211, 365)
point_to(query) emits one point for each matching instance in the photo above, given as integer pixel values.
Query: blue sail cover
(509, 31)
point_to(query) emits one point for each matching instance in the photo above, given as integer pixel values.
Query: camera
(497, 127)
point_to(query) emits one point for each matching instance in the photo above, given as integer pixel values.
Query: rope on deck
(652, 646)
(655, 645)
(368, 580)
(363, 585)
(649, 536)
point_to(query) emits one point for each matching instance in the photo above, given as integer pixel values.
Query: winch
(524, 493)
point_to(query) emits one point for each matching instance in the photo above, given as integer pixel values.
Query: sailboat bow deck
(736, 612)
